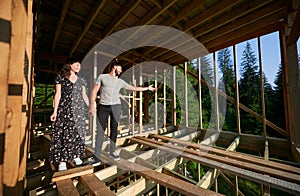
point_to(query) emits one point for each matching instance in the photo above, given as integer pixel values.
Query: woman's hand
(53, 116)
(92, 109)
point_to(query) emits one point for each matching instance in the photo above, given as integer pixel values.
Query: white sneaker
(62, 166)
(78, 161)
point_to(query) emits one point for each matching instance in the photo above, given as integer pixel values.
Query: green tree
(227, 85)
(249, 91)
(207, 98)
(277, 113)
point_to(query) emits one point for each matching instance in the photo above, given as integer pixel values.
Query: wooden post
(199, 92)
(140, 100)
(186, 111)
(93, 119)
(164, 98)
(262, 92)
(174, 96)
(16, 43)
(216, 93)
(155, 100)
(238, 120)
(133, 101)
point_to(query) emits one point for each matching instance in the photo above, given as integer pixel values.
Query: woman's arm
(56, 100)
(84, 96)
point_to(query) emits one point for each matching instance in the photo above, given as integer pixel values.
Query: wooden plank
(66, 187)
(231, 166)
(95, 186)
(74, 172)
(173, 183)
(5, 15)
(177, 175)
(13, 166)
(233, 155)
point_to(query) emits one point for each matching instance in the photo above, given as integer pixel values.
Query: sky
(270, 54)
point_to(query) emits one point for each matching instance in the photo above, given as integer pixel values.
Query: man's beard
(117, 73)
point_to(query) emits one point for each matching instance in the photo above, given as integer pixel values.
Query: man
(110, 105)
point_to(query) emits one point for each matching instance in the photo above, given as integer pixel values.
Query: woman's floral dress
(67, 141)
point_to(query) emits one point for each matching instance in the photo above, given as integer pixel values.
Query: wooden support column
(186, 111)
(238, 120)
(93, 118)
(293, 74)
(174, 96)
(291, 86)
(199, 92)
(262, 92)
(155, 99)
(133, 101)
(165, 98)
(140, 100)
(5, 36)
(15, 43)
(216, 93)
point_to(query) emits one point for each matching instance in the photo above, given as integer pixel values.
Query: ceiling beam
(63, 14)
(294, 24)
(125, 11)
(90, 19)
(49, 56)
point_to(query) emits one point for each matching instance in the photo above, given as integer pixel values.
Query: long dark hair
(65, 71)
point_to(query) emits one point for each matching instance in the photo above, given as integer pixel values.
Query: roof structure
(73, 28)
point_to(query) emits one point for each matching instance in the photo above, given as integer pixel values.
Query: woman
(67, 141)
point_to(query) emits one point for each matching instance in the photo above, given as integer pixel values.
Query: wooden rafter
(63, 14)
(90, 19)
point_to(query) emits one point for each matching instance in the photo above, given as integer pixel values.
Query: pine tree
(277, 113)
(249, 91)
(227, 84)
(207, 74)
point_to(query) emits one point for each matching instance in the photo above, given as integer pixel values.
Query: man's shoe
(114, 156)
(62, 166)
(94, 161)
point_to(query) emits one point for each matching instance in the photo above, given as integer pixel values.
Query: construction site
(215, 125)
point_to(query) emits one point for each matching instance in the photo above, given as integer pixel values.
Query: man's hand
(151, 88)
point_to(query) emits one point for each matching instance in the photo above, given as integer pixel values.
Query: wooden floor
(43, 178)
(81, 180)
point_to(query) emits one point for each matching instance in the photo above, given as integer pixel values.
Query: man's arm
(93, 95)
(138, 88)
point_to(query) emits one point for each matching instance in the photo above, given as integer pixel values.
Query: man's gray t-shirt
(109, 89)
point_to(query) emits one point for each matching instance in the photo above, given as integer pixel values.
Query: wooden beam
(266, 15)
(95, 186)
(52, 57)
(66, 187)
(249, 171)
(163, 179)
(5, 36)
(89, 20)
(74, 172)
(177, 175)
(293, 24)
(233, 155)
(14, 17)
(63, 13)
(125, 11)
